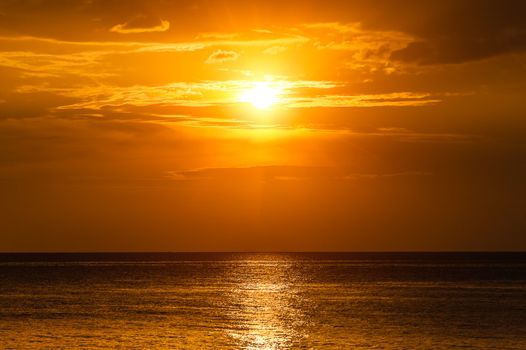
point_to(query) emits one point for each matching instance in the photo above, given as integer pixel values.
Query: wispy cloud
(274, 50)
(283, 173)
(397, 99)
(191, 94)
(221, 56)
(141, 25)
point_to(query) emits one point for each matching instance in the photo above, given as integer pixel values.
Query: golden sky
(262, 125)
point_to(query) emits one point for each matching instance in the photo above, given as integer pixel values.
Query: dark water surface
(263, 301)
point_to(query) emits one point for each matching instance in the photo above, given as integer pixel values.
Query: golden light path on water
(266, 305)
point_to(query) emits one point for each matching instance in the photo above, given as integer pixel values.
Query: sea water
(263, 301)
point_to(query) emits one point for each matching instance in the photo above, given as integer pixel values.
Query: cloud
(443, 31)
(463, 31)
(216, 36)
(294, 94)
(221, 56)
(39, 45)
(190, 94)
(282, 173)
(274, 50)
(396, 99)
(141, 24)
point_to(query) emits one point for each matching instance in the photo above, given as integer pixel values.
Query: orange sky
(397, 125)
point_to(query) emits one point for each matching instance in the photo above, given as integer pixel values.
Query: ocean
(263, 301)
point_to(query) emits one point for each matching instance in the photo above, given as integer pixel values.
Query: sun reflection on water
(266, 306)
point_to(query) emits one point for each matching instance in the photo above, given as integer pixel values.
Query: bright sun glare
(261, 96)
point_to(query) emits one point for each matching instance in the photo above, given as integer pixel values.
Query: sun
(261, 96)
